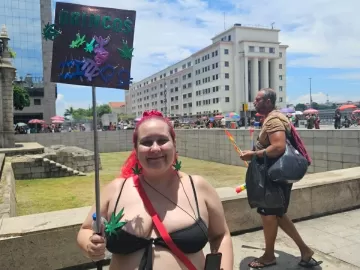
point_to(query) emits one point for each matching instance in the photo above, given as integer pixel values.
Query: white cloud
(320, 33)
(323, 30)
(62, 104)
(347, 76)
(321, 97)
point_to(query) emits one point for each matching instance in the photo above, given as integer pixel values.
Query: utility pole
(310, 94)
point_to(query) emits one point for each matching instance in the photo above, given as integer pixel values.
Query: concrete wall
(48, 240)
(7, 189)
(329, 149)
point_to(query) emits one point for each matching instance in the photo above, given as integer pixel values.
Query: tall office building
(24, 20)
(219, 78)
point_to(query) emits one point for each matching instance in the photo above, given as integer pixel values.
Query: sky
(322, 35)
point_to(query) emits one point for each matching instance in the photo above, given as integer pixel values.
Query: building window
(271, 50)
(229, 38)
(37, 101)
(226, 63)
(251, 48)
(262, 49)
(280, 66)
(227, 75)
(280, 88)
(280, 99)
(227, 87)
(280, 54)
(227, 99)
(226, 51)
(280, 77)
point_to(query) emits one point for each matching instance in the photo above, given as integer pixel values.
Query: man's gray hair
(269, 93)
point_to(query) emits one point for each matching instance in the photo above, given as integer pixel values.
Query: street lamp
(310, 94)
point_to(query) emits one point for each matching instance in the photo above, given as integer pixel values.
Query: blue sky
(323, 41)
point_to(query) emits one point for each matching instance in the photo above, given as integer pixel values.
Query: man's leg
(289, 228)
(270, 227)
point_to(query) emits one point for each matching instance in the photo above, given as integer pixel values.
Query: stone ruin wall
(56, 161)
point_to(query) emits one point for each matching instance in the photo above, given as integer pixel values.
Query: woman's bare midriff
(162, 260)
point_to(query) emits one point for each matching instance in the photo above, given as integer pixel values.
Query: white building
(213, 80)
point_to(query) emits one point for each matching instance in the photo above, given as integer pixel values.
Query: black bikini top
(189, 240)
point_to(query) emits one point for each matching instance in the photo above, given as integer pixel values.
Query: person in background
(317, 122)
(337, 119)
(272, 140)
(188, 206)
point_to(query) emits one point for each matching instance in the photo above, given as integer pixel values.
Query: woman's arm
(83, 238)
(218, 231)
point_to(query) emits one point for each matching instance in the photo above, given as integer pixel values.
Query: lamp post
(310, 94)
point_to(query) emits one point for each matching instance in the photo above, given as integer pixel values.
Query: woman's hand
(247, 155)
(96, 247)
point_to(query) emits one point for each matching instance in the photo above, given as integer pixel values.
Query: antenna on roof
(272, 25)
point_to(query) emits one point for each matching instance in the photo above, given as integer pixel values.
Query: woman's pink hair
(126, 170)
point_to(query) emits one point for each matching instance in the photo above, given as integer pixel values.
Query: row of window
(262, 49)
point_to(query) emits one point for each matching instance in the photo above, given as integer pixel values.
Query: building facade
(24, 20)
(118, 107)
(219, 78)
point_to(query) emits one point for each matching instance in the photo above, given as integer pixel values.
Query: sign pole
(97, 181)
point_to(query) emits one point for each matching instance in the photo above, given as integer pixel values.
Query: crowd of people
(159, 217)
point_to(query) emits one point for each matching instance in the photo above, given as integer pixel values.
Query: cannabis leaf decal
(78, 41)
(126, 52)
(50, 32)
(89, 47)
(136, 170)
(114, 223)
(177, 165)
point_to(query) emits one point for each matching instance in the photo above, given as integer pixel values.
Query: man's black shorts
(286, 188)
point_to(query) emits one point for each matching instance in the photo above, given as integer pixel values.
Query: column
(265, 73)
(246, 79)
(274, 72)
(254, 77)
(7, 75)
(235, 90)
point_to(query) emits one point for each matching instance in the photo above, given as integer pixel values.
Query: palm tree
(69, 112)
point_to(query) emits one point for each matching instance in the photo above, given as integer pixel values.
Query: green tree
(69, 112)
(21, 98)
(102, 109)
(315, 105)
(300, 107)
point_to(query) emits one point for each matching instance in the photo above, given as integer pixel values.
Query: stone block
(320, 163)
(334, 165)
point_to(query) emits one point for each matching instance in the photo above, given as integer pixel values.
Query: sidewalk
(335, 240)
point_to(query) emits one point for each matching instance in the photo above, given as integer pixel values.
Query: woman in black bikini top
(187, 206)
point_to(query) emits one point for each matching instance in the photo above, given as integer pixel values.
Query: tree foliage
(21, 98)
(81, 114)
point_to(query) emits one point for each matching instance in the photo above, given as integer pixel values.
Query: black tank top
(191, 239)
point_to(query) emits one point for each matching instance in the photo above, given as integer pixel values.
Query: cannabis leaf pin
(50, 32)
(126, 51)
(177, 165)
(78, 41)
(114, 223)
(136, 170)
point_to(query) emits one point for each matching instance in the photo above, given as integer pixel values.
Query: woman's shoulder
(200, 183)
(114, 186)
